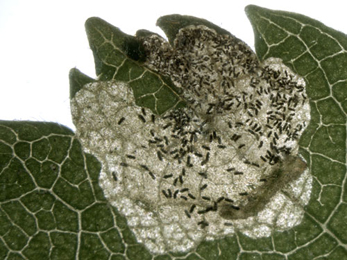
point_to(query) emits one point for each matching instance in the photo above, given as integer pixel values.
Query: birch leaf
(52, 207)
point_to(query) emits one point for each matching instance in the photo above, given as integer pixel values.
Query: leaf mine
(215, 166)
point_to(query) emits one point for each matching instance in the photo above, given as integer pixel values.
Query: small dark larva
(203, 174)
(187, 213)
(203, 224)
(175, 194)
(114, 176)
(121, 120)
(160, 157)
(184, 197)
(123, 164)
(130, 156)
(191, 196)
(165, 194)
(220, 199)
(142, 118)
(213, 166)
(151, 174)
(192, 208)
(203, 187)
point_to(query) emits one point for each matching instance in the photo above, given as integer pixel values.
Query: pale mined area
(174, 176)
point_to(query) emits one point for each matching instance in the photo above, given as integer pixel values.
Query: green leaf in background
(119, 57)
(318, 53)
(77, 81)
(51, 206)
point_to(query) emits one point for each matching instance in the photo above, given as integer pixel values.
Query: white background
(40, 41)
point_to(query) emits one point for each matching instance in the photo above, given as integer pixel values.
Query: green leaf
(318, 53)
(51, 206)
(77, 81)
(58, 211)
(119, 57)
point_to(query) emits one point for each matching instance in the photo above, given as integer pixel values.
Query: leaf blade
(37, 219)
(317, 54)
(119, 57)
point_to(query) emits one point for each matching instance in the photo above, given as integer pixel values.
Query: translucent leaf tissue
(220, 157)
